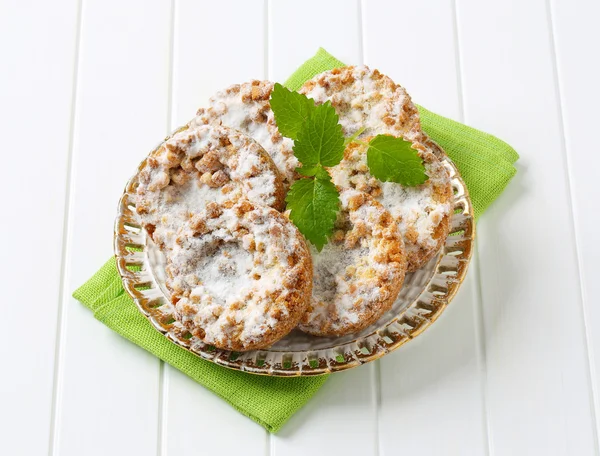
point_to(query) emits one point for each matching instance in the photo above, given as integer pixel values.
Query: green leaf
(291, 110)
(393, 159)
(316, 170)
(314, 204)
(320, 139)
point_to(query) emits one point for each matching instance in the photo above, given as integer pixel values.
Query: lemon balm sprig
(319, 143)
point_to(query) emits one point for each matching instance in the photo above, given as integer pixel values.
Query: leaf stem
(354, 137)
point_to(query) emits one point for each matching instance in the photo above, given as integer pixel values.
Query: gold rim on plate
(424, 296)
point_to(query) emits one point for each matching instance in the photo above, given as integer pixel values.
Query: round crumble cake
(422, 213)
(359, 273)
(366, 99)
(240, 276)
(199, 165)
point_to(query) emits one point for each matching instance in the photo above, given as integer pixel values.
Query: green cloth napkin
(486, 164)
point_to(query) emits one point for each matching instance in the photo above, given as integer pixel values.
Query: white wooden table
(88, 87)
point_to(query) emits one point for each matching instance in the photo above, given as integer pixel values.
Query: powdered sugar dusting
(365, 98)
(419, 211)
(175, 204)
(357, 275)
(414, 208)
(246, 107)
(236, 273)
(201, 165)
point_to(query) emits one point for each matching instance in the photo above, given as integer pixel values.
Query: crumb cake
(365, 98)
(199, 165)
(239, 273)
(240, 276)
(422, 213)
(246, 108)
(359, 273)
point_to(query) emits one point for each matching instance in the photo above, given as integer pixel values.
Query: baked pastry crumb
(422, 213)
(199, 165)
(246, 108)
(365, 98)
(358, 275)
(240, 276)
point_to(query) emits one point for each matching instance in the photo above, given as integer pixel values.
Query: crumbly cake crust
(358, 275)
(365, 98)
(422, 213)
(199, 165)
(240, 276)
(246, 108)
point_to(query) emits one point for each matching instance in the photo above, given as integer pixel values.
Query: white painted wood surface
(37, 77)
(88, 87)
(121, 104)
(536, 349)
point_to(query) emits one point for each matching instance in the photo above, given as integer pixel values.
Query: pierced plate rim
(449, 271)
